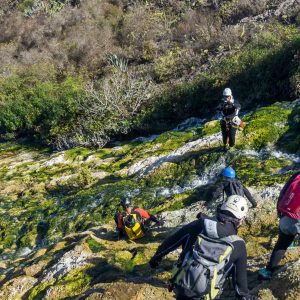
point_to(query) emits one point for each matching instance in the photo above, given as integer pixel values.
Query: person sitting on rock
(221, 229)
(288, 209)
(133, 222)
(229, 184)
(229, 109)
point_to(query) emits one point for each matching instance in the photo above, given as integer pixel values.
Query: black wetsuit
(186, 237)
(229, 111)
(232, 186)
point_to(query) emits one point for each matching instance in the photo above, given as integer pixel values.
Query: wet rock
(71, 260)
(17, 287)
(55, 160)
(149, 164)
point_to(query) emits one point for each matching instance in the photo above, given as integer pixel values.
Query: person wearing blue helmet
(228, 184)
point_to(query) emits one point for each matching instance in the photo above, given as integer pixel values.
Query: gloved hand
(154, 262)
(158, 223)
(199, 215)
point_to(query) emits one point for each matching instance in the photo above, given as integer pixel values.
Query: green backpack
(202, 272)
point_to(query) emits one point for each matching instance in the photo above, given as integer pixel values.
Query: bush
(36, 107)
(109, 109)
(145, 41)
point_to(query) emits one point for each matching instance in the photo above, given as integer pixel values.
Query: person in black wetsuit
(229, 109)
(226, 222)
(288, 229)
(229, 185)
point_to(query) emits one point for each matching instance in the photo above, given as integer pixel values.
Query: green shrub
(38, 107)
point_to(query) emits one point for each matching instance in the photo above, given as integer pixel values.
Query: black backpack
(233, 187)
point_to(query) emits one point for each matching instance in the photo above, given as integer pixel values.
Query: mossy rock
(95, 246)
(265, 126)
(17, 287)
(70, 285)
(211, 127)
(266, 294)
(37, 267)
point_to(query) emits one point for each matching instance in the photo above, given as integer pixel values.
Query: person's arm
(220, 107)
(249, 196)
(219, 190)
(145, 215)
(180, 238)
(154, 219)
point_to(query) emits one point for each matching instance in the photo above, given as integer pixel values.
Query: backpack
(233, 187)
(289, 204)
(202, 271)
(133, 226)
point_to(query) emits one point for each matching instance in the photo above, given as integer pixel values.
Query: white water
(24, 251)
(208, 176)
(145, 139)
(269, 152)
(148, 165)
(189, 123)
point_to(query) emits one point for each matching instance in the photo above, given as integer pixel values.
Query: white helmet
(237, 205)
(236, 121)
(227, 92)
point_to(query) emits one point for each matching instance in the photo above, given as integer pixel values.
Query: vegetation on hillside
(79, 73)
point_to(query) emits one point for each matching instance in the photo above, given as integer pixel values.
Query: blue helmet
(228, 172)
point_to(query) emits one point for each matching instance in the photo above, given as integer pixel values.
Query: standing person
(288, 208)
(229, 109)
(133, 222)
(229, 184)
(211, 251)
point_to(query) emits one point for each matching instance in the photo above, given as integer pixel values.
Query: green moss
(94, 245)
(77, 154)
(124, 260)
(176, 202)
(265, 126)
(73, 283)
(211, 127)
(171, 173)
(291, 139)
(264, 171)
(38, 292)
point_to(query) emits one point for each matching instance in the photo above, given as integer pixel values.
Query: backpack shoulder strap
(232, 238)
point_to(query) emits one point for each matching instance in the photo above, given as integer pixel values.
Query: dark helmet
(125, 202)
(228, 172)
(129, 221)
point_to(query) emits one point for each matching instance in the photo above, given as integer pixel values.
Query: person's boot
(225, 148)
(292, 245)
(265, 274)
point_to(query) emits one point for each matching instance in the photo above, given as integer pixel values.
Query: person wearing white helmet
(223, 226)
(237, 206)
(229, 107)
